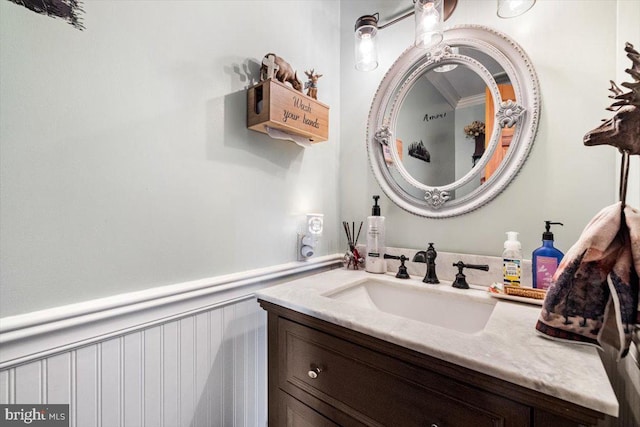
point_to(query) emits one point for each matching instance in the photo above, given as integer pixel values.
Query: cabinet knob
(314, 372)
(434, 425)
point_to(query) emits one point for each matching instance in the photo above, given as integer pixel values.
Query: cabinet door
(375, 389)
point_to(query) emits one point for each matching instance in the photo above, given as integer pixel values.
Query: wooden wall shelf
(271, 103)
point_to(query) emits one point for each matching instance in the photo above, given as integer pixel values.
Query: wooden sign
(279, 106)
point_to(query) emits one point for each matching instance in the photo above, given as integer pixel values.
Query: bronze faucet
(428, 257)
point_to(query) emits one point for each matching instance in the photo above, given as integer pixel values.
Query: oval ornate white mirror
(416, 141)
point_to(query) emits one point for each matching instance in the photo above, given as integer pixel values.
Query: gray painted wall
(561, 180)
(628, 30)
(125, 159)
(125, 163)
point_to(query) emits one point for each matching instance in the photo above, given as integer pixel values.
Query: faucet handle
(482, 267)
(461, 279)
(402, 270)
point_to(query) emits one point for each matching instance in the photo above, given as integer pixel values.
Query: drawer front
(379, 390)
(296, 414)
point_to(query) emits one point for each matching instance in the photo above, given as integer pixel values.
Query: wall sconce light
(308, 238)
(429, 20)
(513, 8)
(366, 49)
(429, 16)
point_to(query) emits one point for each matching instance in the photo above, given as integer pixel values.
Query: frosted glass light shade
(513, 8)
(366, 50)
(429, 17)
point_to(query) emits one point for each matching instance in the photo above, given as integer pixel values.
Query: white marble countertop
(508, 347)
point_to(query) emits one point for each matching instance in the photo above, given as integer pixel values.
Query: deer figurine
(275, 66)
(312, 83)
(623, 130)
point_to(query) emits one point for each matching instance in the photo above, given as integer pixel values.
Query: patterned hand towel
(593, 297)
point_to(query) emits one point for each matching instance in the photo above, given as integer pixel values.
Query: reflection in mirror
(506, 135)
(433, 116)
(506, 93)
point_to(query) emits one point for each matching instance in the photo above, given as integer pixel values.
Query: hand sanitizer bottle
(546, 259)
(512, 260)
(375, 262)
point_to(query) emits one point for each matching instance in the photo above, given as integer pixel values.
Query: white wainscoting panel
(181, 356)
(86, 411)
(202, 370)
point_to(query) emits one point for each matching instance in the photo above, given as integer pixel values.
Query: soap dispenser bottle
(512, 260)
(375, 262)
(546, 259)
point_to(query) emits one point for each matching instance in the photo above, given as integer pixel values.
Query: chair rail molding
(40, 334)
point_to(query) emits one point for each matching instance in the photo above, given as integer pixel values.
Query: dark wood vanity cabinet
(321, 374)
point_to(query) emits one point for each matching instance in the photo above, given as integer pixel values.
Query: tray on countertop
(519, 294)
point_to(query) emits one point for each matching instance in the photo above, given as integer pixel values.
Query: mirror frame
(525, 112)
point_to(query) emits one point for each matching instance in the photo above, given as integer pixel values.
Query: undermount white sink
(447, 308)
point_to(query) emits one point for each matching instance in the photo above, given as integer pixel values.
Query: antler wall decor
(623, 129)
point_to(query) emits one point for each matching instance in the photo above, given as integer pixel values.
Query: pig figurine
(283, 71)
